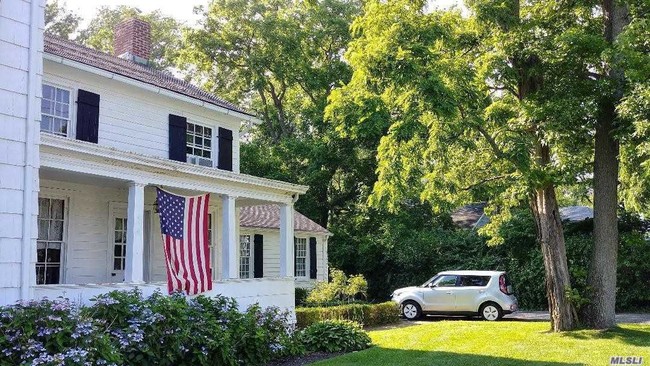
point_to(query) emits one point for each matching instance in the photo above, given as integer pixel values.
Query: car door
(440, 294)
(470, 291)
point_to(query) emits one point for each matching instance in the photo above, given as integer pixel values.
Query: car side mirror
(432, 285)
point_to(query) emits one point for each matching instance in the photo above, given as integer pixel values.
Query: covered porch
(99, 230)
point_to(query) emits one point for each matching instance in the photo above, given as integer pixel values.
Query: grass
(468, 342)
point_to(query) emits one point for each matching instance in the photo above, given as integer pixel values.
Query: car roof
(472, 273)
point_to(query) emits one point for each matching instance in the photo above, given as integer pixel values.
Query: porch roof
(83, 157)
(268, 217)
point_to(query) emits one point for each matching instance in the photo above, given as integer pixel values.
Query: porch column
(134, 271)
(286, 240)
(229, 238)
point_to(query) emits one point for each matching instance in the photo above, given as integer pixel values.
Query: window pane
(117, 264)
(198, 141)
(46, 106)
(43, 208)
(208, 143)
(207, 132)
(62, 95)
(117, 250)
(40, 274)
(43, 226)
(118, 224)
(199, 129)
(52, 274)
(53, 253)
(40, 253)
(56, 230)
(48, 92)
(57, 209)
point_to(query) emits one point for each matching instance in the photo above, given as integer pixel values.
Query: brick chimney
(132, 40)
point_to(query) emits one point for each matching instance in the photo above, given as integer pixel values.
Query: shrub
(125, 328)
(365, 314)
(301, 296)
(335, 336)
(339, 289)
(53, 332)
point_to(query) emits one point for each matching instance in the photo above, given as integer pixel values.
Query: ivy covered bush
(123, 328)
(335, 336)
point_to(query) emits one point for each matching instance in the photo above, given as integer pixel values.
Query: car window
(446, 281)
(479, 281)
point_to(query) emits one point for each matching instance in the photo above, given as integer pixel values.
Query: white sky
(179, 9)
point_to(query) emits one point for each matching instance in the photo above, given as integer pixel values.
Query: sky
(179, 9)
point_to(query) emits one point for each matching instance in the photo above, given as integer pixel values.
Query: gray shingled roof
(88, 56)
(268, 217)
(471, 216)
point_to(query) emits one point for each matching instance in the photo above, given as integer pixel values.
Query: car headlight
(395, 294)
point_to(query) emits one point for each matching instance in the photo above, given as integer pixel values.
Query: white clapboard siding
(134, 119)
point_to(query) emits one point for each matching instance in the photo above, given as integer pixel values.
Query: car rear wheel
(411, 310)
(491, 311)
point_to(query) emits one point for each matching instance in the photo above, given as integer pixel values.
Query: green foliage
(301, 296)
(335, 336)
(367, 314)
(338, 289)
(165, 33)
(59, 21)
(125, 328)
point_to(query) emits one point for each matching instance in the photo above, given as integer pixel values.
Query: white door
(118, 248)
(118, 244)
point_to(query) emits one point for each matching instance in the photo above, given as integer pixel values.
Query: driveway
(642, 318)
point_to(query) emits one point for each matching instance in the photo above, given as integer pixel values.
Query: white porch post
(286, 240)
(134, 271)
(229, 238)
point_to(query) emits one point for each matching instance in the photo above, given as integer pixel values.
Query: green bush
(335, 336)
(339, 289)
(365, 314)
(126, 329)
(301, 296)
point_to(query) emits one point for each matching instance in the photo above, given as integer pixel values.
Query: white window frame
(306, 257)
(64, 242)
(250, 257)
(71, 111)
(194, 159)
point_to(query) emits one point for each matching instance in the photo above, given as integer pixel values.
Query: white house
(86, 137)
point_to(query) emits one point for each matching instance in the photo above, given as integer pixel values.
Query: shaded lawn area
(465, 343)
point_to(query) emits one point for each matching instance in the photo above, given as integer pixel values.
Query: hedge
(365, 314)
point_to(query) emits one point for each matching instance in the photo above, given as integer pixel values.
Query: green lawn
(481, 343)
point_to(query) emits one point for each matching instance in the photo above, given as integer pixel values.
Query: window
(244, 256)
(301, 257)
(51, 223)
(199, 144)
(445, 281)
(480, 281)
(55, 110)
(119, 244)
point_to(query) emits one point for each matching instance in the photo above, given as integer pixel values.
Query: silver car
(488, 294)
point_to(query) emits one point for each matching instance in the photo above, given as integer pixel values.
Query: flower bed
(123, 328)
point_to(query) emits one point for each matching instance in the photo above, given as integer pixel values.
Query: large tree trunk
(546, 212)
(600, 312)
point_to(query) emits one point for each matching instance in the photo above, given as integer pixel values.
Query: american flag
(184, 228)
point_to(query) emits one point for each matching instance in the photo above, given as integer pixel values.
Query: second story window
(55, 110)
(199, 144)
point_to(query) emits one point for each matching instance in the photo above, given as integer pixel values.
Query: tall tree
(281, 58)
(59, 21)
(602, 273)
(491, 105)
(165, 33)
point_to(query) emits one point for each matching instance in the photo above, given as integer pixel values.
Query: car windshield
(429, 281)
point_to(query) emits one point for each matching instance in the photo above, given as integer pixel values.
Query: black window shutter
(177, 136)
(312, 258)
(87, 116)
(225, 149)
(258, 252)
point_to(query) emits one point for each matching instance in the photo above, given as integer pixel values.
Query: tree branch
(486, 180)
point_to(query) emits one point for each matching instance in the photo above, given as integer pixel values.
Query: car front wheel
(411, 310)
(491, 311)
